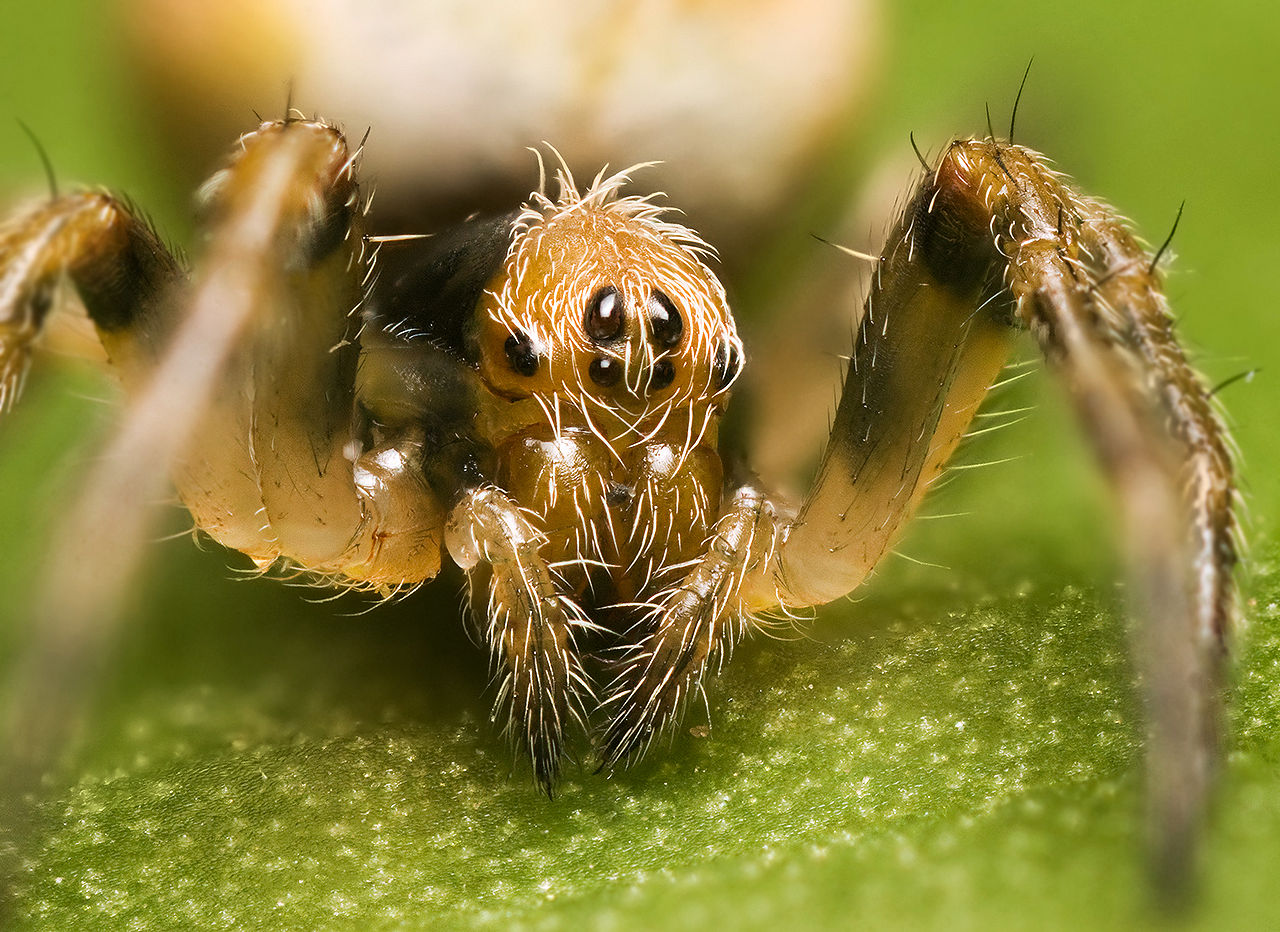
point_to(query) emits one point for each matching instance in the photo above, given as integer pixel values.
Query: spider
(536, 396)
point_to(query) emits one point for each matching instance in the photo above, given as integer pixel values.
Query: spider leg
(1093, 301)
(115, 259)
(529, 625)
(276, 469)
(686, 627)
(123, 274)
(935, 333)
(993, 238)
(200, 360)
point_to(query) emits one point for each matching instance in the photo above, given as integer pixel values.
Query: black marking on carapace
(433, 286)
(605, 319)
(665, 320)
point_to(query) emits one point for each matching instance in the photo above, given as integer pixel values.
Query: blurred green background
(957, 748)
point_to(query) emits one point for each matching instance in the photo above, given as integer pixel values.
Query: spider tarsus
(637, 720)
(657, 676)
(642, 702)
(1171, 868)
(535, 723)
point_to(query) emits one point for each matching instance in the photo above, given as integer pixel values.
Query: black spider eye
(664, 373)
(665, 320)
(605, 371)
(605, 318)
(728, 363)
(521, 354)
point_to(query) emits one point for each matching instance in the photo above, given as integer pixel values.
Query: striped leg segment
(992, 240)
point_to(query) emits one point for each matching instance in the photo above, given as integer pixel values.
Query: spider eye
(665, 320)
(664, 373)
(604, 319)
(605, 371)
(521, 354)
(728, 362)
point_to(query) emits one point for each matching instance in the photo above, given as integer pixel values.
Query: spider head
(602, 303)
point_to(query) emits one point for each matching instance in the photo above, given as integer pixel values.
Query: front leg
(991, 240)
(247, 417)
(529, 625)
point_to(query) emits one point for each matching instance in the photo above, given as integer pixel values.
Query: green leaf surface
(944, 758)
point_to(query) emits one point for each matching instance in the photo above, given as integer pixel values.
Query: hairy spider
(537, 395)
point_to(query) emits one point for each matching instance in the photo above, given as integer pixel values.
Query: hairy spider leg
(123, 274)
(276, 419)
(992, 240)
(1092, 297)
(117, 262)
(933, 337)
(288, 410)
(283, 427)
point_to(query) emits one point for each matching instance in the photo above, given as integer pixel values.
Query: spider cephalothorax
(537, 396)
(604, 305)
